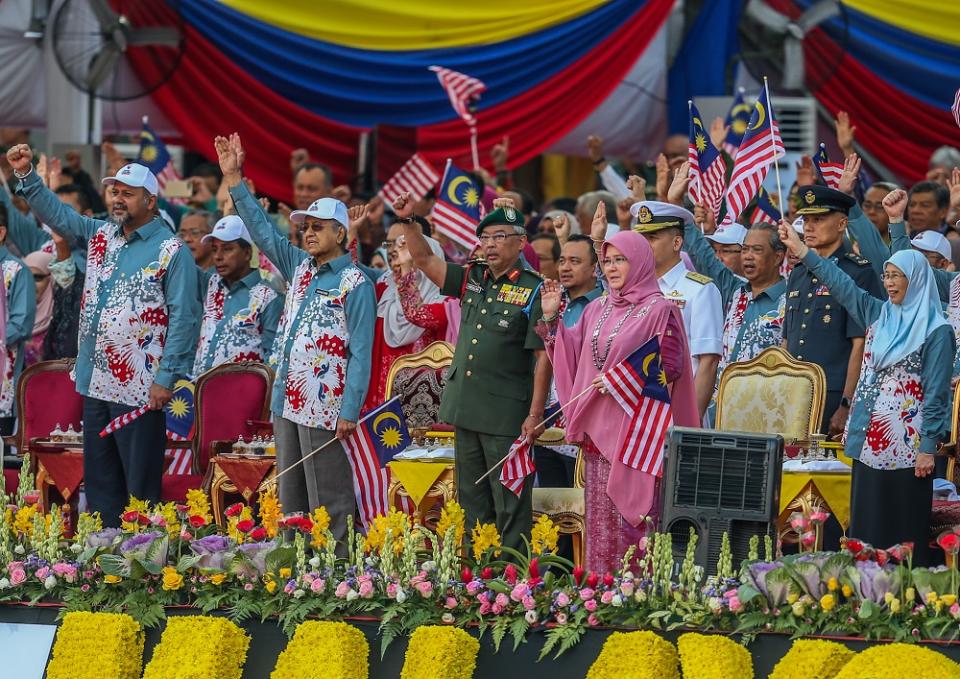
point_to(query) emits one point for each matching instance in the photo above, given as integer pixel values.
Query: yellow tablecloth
(417, 477)
(833, 488)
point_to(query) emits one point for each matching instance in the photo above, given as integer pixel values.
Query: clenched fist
(20, 157)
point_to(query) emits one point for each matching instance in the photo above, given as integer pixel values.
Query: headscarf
(902, 328)
(39, 262)
(597, 415)
(397, 330)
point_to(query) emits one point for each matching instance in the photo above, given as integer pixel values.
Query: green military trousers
(490, 502)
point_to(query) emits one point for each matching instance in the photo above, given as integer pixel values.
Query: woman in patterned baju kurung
(900, 411)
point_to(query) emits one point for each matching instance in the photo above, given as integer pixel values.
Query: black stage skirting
(268, 640)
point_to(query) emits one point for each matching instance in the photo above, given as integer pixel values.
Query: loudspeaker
(720, 482)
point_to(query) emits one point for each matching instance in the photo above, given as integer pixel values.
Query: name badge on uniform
(676, 297)
(794, 293)
(473, 286)
(513, 294)
(822, 291)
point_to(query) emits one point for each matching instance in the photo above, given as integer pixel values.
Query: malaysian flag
(761, 146)
(708, 172)
(738, 117)
(518, 467)
(456, 211)
(639, 385)
(154, 154)
(462, 90)
(766, 212)
(955, 109)
(415, 177)
(181, 425)
(380, 434)
(830, 173)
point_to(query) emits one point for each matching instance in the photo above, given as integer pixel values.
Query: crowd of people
(143, 291)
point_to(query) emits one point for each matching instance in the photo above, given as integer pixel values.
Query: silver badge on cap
(511, 213)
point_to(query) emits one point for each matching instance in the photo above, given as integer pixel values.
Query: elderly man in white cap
(241, 311)
(697, 296)
(727, 245)
(137, 328)
(322, 351)
(935, 246)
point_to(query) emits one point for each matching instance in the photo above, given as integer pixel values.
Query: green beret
(507, 216)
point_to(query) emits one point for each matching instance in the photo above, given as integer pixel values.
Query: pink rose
(626, 588)
(364, 578)
(819, 517)
(366, 589)
(17, 577)
(497, 609)
(606, 597)
(84, 587)
(317, 585)
(425, 588)
(563, 599)
(185, 535)
(518, 592)
(529, 603)
(501, 600)
(392, 590)
(342, 589)
(450, 602)
(248, 587)
(735, 604)
(561, 618)
(586, 593)
(590, 605)
(485, 608)
(289, 587)
(473, 587)
(42, 573)
(593, 620)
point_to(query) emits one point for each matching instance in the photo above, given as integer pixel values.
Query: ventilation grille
(715, 474)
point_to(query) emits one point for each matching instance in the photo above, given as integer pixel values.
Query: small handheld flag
(416, 177)
(955, 109)
(154, 154)
(462, 91)
(708, 172)
(765, 211)
(456, 211)
(122, 421)
(518, 466)
(830, 173)
(738, 117)
(181, 425)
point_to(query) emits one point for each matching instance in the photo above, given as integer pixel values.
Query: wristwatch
(406, 220)
(845, 402)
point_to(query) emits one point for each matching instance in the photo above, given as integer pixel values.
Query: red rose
(882, 557)
(949, 542)
(197, 521)
(608, 580)
(533, 569)
(131, 517)
(234, 509)
(486, 573)
(143, 519)
(854, 546)
(510, 574)
(183, 509)
(245, 526)
(466, 575)
(578, 574)
(592, 580)
(257, 534)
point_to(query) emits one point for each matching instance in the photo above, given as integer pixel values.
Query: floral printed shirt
(239, 321)
(21, 308)
(139, 310)
(752, 323)
(323, 346)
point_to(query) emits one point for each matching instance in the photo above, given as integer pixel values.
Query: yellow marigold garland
(270, 510)
(321, 522)
(544, 535)
(899, 661)
(97, 646)
(437, 652)
(199, 647)
(635, 655)
(812, 659)
(452, 516)
(324, 649)
(484, 537)
(711, 656)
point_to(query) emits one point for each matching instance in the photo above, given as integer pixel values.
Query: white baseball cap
(229, 228)
(325, 208)
(729, 235)
(135, 174)
(932, 241)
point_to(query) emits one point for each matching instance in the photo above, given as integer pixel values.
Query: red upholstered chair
(228, 399)
(46, 396)
(419, 380)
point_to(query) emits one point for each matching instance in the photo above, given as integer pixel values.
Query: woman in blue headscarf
(900, 413)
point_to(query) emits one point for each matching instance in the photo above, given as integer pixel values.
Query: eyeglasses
(391, 244)
(614, 261)
(497, 238)
(892, 276)
(731, 250)
(315, 227)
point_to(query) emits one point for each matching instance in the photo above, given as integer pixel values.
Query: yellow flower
(452, 516)
(270, 510)
(218, 578)
(171, 579)
(321, 522)
(339, 648)
(888, 597)
(440, 651)
(215, 647)
(895, 606)
(847, 591)
(394, 522)
(483, 538)
(884, 660)
(198, 504)
(931, 597)
(798, 609)
(910, 594)
(97, 646)
(712, 657)
(808, 659)
(285, 573)
(792, 598)
(246, 514)
(544, 535)
(112, 579)
(832, 584)
(23, 523)
(949, 599)
(271, 586)
(138, 506)
(169, 513)
(621, 650)
(827, 602)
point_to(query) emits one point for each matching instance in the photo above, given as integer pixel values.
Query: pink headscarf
(597, 415)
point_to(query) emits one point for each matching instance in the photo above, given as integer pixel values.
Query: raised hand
(637, 186)
(718, 131)
(791, 239)
(704, 216)
(806, 172)
(226, 156)
(851, 170)
(550, 296)
(403, 206)
(845, 132)
(500, 153)
(342, 193)
(503, 203)
(358, 215)
(561, 227)
(895, 204)
(663, 177)
(595, 148)
(201, 192)
(598, 229)
(678, 187)
(54, 173)
(953, 183)
(20, 158)
(624, 216)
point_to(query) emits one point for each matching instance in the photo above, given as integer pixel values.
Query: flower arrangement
(97, 646)
(713, 657)
(812, 659)
(636, 655)
(899, 661)
(331, 649)
(216, 647)
(440, 653)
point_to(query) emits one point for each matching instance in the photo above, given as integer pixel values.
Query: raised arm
(278, 249)
(432, 266)
(22, 230)
(858, 226)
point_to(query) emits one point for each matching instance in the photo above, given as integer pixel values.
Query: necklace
(599, 360)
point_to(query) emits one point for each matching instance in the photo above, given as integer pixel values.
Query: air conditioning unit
(796, 116)
(720, 482)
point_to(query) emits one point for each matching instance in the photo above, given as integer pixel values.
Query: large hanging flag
(738, 117)
(380, 434)
(416, 177)
(518, 467)
(955, 109)
(154, 154)
(707, 169)
(456, 211)
(830, 173)
(761, 146)
(462, 90)
(639, 384)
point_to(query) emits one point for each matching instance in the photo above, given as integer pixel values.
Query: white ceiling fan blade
(103, 66)
(761, 12)
(106, 17)
(166, 36)
(793, 67)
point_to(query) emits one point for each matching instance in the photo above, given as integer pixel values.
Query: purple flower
(138, 542)
(256, 554)
(213, 552)
(137, 547)
(758, 575)
(102, 538)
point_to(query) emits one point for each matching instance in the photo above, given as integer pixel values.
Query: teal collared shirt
(575, 307)
(140, 310)
(21, 309)
(26, 236)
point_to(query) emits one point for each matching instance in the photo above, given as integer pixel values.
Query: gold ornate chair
(772, 394)
(565, 506)
(950, 447)
(419, 379)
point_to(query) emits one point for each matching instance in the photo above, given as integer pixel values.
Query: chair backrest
(46, 396)
(419, 379)
(227, 398)
(771, 394)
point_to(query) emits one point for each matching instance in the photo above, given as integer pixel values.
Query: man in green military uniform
(497, 385)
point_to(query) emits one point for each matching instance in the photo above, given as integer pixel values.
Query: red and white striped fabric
(707, 187)
(461, 89)
(518, 467)
(168, 174)
(455, 225)
(416, 177)
(955, 109)
(643, 448)
(751, 167)
(122, 421)
(179, 459)
(371, 481)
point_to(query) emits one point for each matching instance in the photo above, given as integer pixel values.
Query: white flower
(75, 548)
(447, 618)
(627, 575)
(352, 594)
(4, 583)
(315, 562)
(401, 596)
(616, 601)
(530, 617)
(50, 582)
(298, 594)
(714, 603)
(429, 566)
(18, 549)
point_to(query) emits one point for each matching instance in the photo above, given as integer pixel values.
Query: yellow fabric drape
(413, 24)
(936, 19)
(417, 477)
(833, 488)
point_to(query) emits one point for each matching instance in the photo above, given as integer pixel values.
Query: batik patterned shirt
(21, 308)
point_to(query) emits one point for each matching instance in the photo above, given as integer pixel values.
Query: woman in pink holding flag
(619, 497)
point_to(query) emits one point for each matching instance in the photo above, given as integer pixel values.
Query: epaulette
(858, 259)
(529, 269)
(699, 277)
